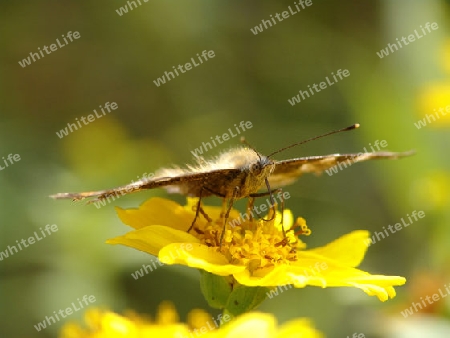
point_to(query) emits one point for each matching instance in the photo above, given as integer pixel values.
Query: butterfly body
(240, 167)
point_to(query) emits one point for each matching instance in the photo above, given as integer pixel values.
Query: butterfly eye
(255, 167)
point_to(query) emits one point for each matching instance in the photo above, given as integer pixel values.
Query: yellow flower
(434, 104)
(105, 324)
(445, 57)
(254, 253)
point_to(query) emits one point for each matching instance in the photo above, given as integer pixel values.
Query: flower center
(255, 243)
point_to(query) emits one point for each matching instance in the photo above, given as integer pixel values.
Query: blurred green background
(117, 58)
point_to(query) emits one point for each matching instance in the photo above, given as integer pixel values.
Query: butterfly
(237, 173)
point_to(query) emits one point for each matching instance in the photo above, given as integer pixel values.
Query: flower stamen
(256, 242)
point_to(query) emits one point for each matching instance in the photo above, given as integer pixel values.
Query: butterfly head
(263, 166)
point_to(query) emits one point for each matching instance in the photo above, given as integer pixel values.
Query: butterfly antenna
(354, 126)
(243, 140)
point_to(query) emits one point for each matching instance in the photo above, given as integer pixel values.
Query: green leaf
(244, 299)
(215, 289)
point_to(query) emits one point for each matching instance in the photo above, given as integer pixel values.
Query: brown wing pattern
(187, 184)
(288, 171)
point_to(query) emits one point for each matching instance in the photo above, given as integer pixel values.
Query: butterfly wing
(182, 181)
(287, 171)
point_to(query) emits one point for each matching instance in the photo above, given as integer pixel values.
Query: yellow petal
(251, 324)
(329, 266)
(261, 325)
(157, 211)
(349, 249)
(324, 272)
(201, 257)
(152, 238)
(300, 327)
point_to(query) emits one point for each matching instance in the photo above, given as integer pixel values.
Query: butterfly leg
(224, 208)
(299, 232)
(224, 203)
(230, 206)
(269, 192)
(280, 195)
(250, 205)
(197, 211)
(213, 192)
(209, 219)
